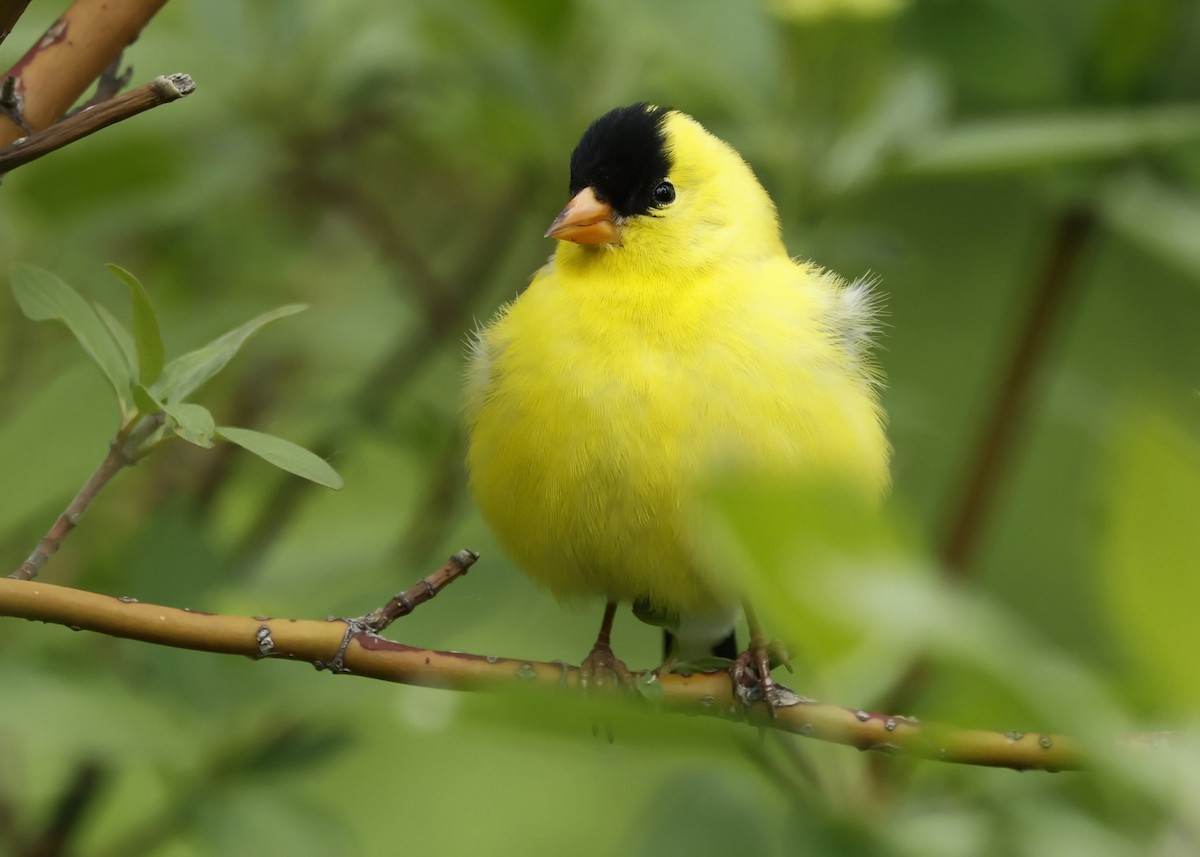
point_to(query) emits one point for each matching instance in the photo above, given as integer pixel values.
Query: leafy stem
(151, 392)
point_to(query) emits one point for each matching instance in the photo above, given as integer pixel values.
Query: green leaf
(1151, 553)
(795, 550)
(194, 423)
(145, 400)
(283, 454)
(146, 335)
(1032, 142)
(121, 336)
(184, 374)
(44, 297)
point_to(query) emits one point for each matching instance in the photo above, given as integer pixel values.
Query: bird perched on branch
(670, 335)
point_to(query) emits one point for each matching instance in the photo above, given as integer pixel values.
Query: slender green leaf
(44, 297)
(1031, 142)
(184, 374)
(121, 336)
(146, 335)
(194, 423)
(283, 454)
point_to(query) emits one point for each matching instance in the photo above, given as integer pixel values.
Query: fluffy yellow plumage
(669, 335)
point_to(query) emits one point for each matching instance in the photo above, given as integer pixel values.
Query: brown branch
(161, 90)
(370, 656)
(121, 454)
(406, 602)
(72, 53)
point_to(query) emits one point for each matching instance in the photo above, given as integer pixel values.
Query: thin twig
(73, 52)
(161, 90)
(371, 656)
(121, 454)
(428, 587)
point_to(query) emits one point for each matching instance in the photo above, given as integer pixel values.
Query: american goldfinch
(669, 336)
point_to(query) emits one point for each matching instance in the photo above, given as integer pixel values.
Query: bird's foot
(751, 675)
(602, 670)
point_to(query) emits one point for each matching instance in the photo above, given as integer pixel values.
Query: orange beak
(585, 220)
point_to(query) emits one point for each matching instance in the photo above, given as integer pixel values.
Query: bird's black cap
(622, 157)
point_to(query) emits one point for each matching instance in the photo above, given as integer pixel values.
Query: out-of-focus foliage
(394, 166)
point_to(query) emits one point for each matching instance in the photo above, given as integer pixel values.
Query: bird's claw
(752, 682)
(602, 670)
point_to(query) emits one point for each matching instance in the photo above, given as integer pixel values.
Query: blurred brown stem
(1010, 409)
(72, 53)
(995, 449)
(69, 812)
(161, 90)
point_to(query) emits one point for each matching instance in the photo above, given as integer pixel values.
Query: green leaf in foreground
(184, 374)
(146, 335)
(803, 553)
(1151, 553)
(283, 454)
(44, 297)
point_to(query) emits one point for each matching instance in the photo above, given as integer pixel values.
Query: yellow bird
(670, 335)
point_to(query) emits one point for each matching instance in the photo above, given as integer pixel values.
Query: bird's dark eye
(664, 194)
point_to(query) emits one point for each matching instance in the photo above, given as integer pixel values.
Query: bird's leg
(601, 667)
(751, 672)
(670, 655)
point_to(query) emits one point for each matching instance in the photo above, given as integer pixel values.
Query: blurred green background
(394, 166)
